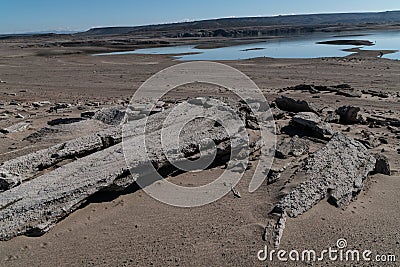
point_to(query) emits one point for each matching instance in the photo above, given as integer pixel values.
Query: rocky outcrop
(337, 171)
(313, 123)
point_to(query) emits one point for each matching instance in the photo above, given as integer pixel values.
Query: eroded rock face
(338, 171)
(313, 123)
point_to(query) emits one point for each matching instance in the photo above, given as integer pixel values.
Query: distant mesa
(255, 26)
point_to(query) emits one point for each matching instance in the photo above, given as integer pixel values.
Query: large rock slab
(18, 170)
(337, 171)
(313, 123)
(36, 205)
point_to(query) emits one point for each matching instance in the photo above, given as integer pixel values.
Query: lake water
(293, 47)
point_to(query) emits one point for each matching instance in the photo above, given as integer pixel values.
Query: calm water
(294, 47)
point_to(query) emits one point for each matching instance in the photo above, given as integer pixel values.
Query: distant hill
(253, 25)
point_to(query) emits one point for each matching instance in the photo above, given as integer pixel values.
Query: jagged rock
(273, 174)
(7, 178)
(393, 129)
(19, 127)
(277, 113)
(369, 140)
(349, 115)
(64, 121)
(278, 231)
(4, 116)
(88, 114)
(338, 171)
(111, 116)
(292, 105)
(341, 89)
(62, 105)
(332, 118)
(383, 120)
(59, 106)
(304, 87)
(376, 93)
(349, 92)
(293, 147)
(146, 109)
(382, 165)
(312, 122)
(40, 104)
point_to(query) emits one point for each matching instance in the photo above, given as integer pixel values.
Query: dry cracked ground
(69, 196)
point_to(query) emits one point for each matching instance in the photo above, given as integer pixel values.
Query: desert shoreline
(136, 230)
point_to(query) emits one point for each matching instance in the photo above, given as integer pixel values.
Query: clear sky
(42, 15)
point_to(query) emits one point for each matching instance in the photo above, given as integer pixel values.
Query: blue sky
(42, 15)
